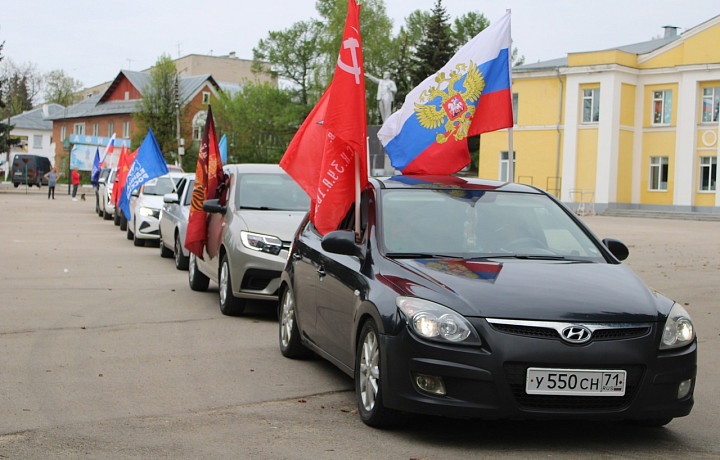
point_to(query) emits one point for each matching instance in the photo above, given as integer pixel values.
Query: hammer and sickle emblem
(353, 45)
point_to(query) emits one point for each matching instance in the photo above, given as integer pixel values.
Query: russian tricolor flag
(470, 95)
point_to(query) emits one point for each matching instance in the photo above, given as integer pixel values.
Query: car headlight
(433, 321)
(678, 330)
(260, 242)
(143, 211)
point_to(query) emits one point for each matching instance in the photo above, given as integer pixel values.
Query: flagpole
(511, 150)
(357, 195)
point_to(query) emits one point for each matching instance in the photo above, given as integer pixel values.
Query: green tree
(5, 140)
(157, 108)
(259, 121)
(60, 88)
(292, 53)
(467, 26)
(435, 48)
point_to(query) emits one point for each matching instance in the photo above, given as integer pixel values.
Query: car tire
(128, 233)
(181, 261)
(197, 280)
(137, 241)
(116, 217)
(368, 380)
(289, 334)
(229, 304)
(123, 222)
(164, 251)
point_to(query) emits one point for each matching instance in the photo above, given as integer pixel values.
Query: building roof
(39, 118)
(99, 105)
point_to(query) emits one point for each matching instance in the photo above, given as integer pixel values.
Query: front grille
(257, 280)
(515, 374)
(551, 330)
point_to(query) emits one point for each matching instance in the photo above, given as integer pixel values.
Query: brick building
(84, 127)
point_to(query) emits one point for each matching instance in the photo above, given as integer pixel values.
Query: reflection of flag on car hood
(456, 187)
(470, 95)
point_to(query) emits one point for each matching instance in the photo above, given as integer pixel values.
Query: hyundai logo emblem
(576, 334)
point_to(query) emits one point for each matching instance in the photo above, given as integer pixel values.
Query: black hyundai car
(472, 298)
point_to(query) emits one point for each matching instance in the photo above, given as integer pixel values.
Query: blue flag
(95, 168)
(148, 164)
(222, 145)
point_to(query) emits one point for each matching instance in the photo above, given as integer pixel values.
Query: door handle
(297, 256)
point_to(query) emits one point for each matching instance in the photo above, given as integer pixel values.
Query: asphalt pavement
(105, 352)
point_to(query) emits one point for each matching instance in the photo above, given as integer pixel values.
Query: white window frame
(79, 129)
(198, 125)
(205, 97)
(111, 128)
(37, 141)
(661, 107)
(126, 129)
(707, 176)
(659, 169)
(710, 105)
(96, 129)
(591, 105)
(63, 133)
(504, 163)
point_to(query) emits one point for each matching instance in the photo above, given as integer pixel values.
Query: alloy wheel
(369, 370)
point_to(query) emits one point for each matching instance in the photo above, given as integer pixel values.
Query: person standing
(75, 182)
(52, 181)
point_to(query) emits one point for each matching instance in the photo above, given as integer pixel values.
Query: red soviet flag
(323, 155)
(208, 174)
(124, 162)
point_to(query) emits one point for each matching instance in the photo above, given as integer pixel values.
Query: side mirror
(214, 206)
(171, 198)
(341, 242)
(617, 248)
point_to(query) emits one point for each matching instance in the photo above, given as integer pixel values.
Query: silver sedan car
(248, 237)
(173, 221)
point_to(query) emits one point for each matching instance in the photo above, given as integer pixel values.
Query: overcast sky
(92, 40)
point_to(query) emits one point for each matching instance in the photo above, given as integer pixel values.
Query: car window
(270, 192)
(159, 186)
(188, 196)
(474, 223)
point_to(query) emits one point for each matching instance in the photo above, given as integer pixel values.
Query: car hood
(530, 290)
(150, 201)
(282, 224)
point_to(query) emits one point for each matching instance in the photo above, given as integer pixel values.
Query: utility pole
(180, 147)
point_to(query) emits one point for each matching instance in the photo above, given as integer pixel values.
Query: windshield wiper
(420, 255)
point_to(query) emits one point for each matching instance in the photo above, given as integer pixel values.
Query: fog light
(430, 384)
(684, 388)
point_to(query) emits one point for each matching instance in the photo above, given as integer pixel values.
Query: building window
(658, 173)
(111, 128)
(198, 125)
(63, 133)
(515, 107)
(79, 128)
(96, 129)
(504, 163)
(126, 129)
(662, 107)
(591, 105)
(206, 97)
(37, 141)
(710, 104)
(708, 173)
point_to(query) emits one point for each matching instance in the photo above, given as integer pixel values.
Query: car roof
(425, 181)
(254, 168)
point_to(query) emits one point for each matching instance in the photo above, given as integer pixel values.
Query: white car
(173, 221)
(143, 223)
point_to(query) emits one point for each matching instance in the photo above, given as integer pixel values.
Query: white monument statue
(385, 94)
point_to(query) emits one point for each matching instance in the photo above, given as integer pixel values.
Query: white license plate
(575, 382)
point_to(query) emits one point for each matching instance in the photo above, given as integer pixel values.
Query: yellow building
(632, 127)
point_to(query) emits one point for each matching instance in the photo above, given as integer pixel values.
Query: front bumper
(489, 382)
(258, 273)
(147, 227)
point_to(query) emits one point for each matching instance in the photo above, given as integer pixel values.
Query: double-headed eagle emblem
(455, 108)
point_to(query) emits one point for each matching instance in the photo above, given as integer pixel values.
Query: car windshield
(160, 186)
(270, 192)
(480, 223)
